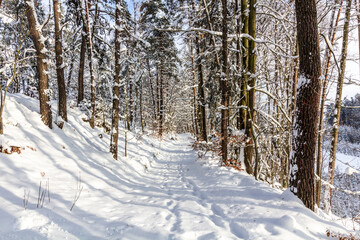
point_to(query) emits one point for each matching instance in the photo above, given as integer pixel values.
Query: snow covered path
(160, 191)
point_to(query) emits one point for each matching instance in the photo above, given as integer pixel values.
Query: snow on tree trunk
(249, 150)
(116, 87)
(59, 62)
(39, 42)
(302, 157)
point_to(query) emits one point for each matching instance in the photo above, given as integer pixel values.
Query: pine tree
(161, 52)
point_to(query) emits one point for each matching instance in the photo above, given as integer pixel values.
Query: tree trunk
(152, 91)
(131, 103)
(224, 84)
(81, 67)
(332, 34)
(201, 92)
(302, 159)
(335, 129)
(195, 118)
(86, 21)
(244, 71)
(249, 149)
(59, 62)
(161, 103)
(116, 88)
(35, 31)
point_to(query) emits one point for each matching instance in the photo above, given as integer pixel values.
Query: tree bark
(161, 103)
(224, 84)
(332, 34)
(116, 87)
(302, 159)
(35, 32)
(86, 21)
(201, 92)
(195, 111)
(249, 149)
(81, 67)
(244, 70)
(335, 129)
(59, 62)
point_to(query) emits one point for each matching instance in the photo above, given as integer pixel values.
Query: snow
(303, 81)
(6, 18)
(160, 14)
(160, 191)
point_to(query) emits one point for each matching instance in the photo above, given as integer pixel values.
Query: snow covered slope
(160, 191)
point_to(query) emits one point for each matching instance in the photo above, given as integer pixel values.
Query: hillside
(160, 191)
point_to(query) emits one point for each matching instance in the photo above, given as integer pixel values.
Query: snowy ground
(160, 191)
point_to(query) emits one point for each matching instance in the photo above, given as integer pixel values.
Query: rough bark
(250, 118)
(244, 70)
(335, 128)
(116, 89)
(35, 32)
(86, 21)
(59, 62)
(195, 118)
(161, 103)
(224, 84)
(302, 159)
(201, 92)
(81, 67)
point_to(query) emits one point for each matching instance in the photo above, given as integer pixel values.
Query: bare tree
(335, 128)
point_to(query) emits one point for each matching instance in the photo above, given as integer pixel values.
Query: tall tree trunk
(158, 98)
(302, 159)
(335, 129)
(86, 21)
(161, 103)
(195, 117)
(295, 78)
(249, 149)
(152, 90)
(131, 103)
(81, 67)
(35, 31)
(201, 92)
(244, 71)
(116, 87)
(59, 62)
(332, 34)
(224, 84)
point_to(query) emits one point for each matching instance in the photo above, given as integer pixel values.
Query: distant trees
(226, 71)
(335, 128)
(161, 57)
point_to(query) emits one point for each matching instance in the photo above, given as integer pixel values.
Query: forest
(257, 83)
